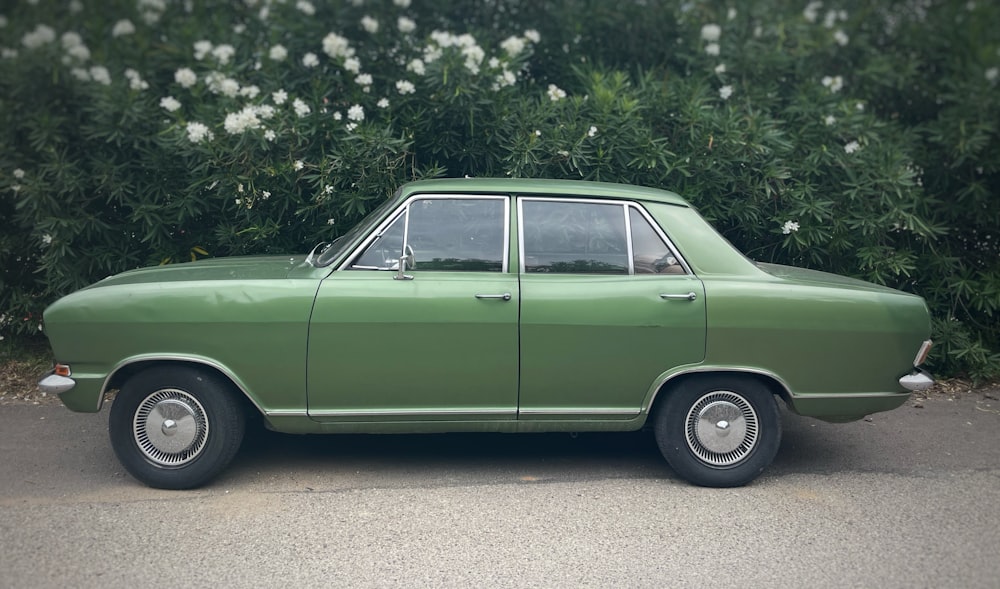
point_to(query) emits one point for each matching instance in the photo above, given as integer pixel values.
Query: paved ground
(910, 498)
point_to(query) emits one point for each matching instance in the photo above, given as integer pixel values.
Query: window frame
(625, 206)
(404, 209)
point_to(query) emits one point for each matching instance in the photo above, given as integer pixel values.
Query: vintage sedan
(487, 305)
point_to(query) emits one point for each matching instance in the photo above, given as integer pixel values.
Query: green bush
(848, 137)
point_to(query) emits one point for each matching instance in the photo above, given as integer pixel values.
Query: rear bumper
(918, 380)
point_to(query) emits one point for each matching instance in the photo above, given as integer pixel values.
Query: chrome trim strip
(176, 358)
(56, 384)
(286, 413)
(407, 412)
(562, 411)
(628, 239)
(658, 384)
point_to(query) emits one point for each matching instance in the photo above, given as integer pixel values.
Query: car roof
(555, 188)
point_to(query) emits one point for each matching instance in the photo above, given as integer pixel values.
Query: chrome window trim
(628, 231)
(404, 209)
(562, 411)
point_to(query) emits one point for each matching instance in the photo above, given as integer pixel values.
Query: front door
(435, 340)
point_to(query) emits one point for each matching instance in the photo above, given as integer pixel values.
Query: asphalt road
(910, 498)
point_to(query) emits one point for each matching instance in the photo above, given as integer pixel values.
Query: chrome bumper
(918, 380)
(56, 384)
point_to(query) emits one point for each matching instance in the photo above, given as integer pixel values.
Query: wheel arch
(768, 379)
(126, 369)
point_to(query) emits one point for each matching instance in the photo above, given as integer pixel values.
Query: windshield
(348, 239)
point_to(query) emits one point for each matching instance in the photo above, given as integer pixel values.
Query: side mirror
(407, 260)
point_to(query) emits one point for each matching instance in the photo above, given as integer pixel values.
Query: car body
(499, 305)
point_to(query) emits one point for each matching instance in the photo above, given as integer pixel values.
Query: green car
(487, 305)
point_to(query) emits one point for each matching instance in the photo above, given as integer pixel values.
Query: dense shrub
(855, 137)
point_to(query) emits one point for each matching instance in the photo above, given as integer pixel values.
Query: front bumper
(918, 380)
(55, 384)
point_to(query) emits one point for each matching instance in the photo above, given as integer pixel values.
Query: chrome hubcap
(170, 427)
(721, 428)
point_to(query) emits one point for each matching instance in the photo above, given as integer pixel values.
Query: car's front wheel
(176, 427)
(718, 431)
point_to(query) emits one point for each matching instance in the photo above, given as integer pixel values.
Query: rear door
(607, 305)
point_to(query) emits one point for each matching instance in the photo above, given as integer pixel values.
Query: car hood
(234, 268)
(815, 277)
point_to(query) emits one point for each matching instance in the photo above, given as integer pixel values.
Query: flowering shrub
(839, 135)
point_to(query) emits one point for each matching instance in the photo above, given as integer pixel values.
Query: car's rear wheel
(176, 427)
(718, 431)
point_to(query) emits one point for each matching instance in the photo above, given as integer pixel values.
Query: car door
(607, 305)
(433, 339)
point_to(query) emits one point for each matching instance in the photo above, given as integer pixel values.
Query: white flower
(402, 3)
(298, 165)
(789, 227)
(992, 74)
(229, 87)
(369, 24)
(331, 221)
(336, 46)
(79, 52)
(712, 49)
(513, 45)
(310, 60)
(416, 66)
(406, 25)
(830, 19)
(100, 74)
(42, 35)
(830, 120)
(305, 7)
(505, 78)
(250, 92)
(265, 111)
(201, 49)
(555, 93)
(731, 14)
(841, 38)
(270, 135)
(265, 195)
(363, 80)
(240, 28)
(860, 107)
(852, 147)
(532, 35)
(383, 103)
(185, 77)
(279, 97)
(834, 83)
(198, 132)
(46, 239)
(301, 108)
(474, 56)
(80, 74)
(353, 65)
(122, 27)
(328, 189)
(592, 131)
(725, 92)
(75, 6)
(351, 126)
(239, 122)
(538, 133)
(70, 40)
(405, 87)
(278, 53)
(135, 81)
(711, 32)
(337, 116)
(811, 12)
(3, 21)
(223, 53)
(720, 69)
(18, 173)
(356, 113)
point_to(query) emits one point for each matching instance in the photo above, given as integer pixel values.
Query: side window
(650, 255)
(443, 234)
(574, 237)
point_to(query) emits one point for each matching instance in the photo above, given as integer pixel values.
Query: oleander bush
(855, 137)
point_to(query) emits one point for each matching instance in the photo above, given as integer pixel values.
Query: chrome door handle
(679, 297)
(505, 296)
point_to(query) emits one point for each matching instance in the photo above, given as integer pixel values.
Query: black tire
(718, 431)
(176, 427)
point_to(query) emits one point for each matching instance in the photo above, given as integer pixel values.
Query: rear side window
(577, 237)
